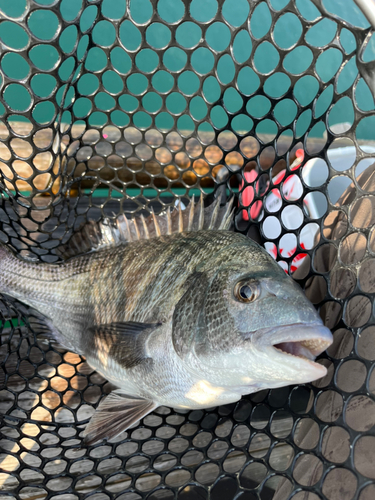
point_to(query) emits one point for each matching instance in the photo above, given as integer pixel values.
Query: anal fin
(116, 413)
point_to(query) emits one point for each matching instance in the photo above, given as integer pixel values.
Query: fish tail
(4, 250)
(5, 258)
(19, 279)
(16, 274)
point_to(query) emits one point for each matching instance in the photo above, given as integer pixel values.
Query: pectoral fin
(114, 415)
(124, 342)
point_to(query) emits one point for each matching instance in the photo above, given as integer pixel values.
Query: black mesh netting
(111, 107)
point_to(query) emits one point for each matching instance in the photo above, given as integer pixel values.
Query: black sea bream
(174, 310)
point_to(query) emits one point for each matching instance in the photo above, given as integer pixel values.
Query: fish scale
(156, 309)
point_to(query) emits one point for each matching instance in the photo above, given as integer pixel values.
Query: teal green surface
(44, 23)
(13, 322)
(135, 193)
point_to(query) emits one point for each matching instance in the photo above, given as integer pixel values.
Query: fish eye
(246, 291)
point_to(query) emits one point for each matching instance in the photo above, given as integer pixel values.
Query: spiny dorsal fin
(147, 234)
(169, 221)
(227, 218)
(180, 219)
(215, 213)
(95, 236)
(156, 223)
(201, 214)
(136, 228)
(125, 230)
(191, 213)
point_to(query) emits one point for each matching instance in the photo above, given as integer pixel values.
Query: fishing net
(110, 107)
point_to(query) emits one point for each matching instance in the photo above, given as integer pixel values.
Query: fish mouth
(304, 341)
(306, 349)
(299, 342)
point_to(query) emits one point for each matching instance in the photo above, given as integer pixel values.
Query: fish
(174, 310)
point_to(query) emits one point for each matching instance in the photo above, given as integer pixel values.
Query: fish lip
(300, 340)
(294, 332)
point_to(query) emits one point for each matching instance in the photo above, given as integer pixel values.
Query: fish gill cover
(112, 108)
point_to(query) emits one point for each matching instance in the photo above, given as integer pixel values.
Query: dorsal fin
(169, 221)
(95, 236)
(180, 219)
(147, 234)
(191, 213)
(156, 223)
(201, 214)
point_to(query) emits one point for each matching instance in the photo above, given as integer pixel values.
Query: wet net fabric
(111, 107)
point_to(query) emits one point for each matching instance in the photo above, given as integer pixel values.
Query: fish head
(243, 322)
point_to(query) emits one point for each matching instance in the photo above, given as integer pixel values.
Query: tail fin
(7, 262)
